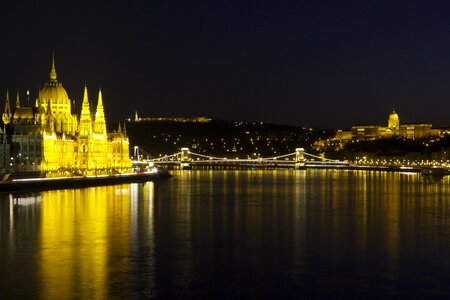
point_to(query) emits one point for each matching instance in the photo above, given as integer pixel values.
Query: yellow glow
(371, 132)
(61, 264)
(79, 233)
(67, 145)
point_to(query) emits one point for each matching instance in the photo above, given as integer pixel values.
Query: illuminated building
(49, 137)
(394, 129)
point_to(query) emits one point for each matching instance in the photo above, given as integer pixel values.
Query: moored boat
(435, 172)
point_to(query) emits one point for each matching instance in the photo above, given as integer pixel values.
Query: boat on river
(434, 174)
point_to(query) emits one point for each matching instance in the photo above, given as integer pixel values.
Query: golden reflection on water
(81, 231)
(358, 211)
(353, 222)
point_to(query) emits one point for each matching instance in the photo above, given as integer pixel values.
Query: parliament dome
(53, 93)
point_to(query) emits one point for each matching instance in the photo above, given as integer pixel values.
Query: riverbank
(41, 184)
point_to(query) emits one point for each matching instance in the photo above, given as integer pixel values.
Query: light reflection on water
(228, 234)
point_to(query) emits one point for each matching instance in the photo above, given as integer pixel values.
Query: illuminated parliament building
(49, 137)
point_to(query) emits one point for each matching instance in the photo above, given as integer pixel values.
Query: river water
(231, 234)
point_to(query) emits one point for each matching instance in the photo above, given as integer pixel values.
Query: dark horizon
(314, 64)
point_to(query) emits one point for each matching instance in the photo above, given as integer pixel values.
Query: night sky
(328, 64)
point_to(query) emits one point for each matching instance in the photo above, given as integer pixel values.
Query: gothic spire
(100, 99)
(85, 118)
(7, 105)
(7, 114)
(17, 100)
(53, 70)
(100, 123)
(85, 103)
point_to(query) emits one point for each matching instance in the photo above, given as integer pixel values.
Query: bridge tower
(299, 158)
(185, 159)
(136, 152)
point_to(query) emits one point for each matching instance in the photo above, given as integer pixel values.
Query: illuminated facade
(394, 129)
(49, 137)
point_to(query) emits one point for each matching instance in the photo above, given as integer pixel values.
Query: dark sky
(327, 64)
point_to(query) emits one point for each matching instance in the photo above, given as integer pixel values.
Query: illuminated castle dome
(393, 121)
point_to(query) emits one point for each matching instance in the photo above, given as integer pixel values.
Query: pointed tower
(100, 123)
(53, 69)
(17, 100)
(85, 128)
(54, 93)
(7, 113)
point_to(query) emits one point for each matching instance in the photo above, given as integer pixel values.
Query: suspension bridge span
(185, 159)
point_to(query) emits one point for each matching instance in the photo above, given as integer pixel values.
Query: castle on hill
(393, 129)
(50, 138)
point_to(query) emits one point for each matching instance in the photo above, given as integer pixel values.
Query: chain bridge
(185, 159)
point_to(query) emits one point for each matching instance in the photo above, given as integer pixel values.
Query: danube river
(231, 234)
